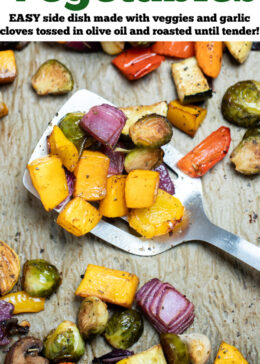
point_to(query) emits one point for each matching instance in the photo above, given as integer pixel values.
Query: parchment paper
(224, 291)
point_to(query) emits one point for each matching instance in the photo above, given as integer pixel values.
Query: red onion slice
(116, 164)
(104, 123)
(165, 182)
(71, 182)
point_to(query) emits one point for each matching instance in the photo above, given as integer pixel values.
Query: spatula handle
(234, 245)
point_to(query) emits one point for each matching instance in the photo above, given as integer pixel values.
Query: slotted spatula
(188, 190)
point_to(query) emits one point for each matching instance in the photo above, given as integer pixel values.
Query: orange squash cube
(141, 188)
(78, 217)
(91, 176)
(8, 70)
(114, 205)
(49, 180)
(110, 285)
(63, 148)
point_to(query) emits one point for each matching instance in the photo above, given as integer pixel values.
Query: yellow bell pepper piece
(186, 117)
(49, 180)
(91, 176)
(141, 188)
(8, 70)
(24, 303)
(154, 355)
(110, 285)
(63, 148)
(78, 217)
(228, 354)
(114, 205)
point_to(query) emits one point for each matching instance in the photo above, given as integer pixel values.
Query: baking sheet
(225, 292)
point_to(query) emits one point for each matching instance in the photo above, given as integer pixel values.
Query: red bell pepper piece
(205, 155)
(175, 49)
(135, 63)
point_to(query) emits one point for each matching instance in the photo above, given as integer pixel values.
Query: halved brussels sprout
(52, 78)
(246, 156)
(241, 104)
(143, 158)
(64, 343)
(124, 329)
(92, 317)
(70, 126)
(40, 278)
(151, 131)
(175, 350)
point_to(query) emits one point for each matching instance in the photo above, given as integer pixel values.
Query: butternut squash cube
(49, 180)
(186, 117)
(3, 107)
(159, 219)
(110, 285)
(78, 217)
(8, 69)
(154, 355)
(91, 176)
(228, 354)
(63, 148)
(114, 205)
(141, 188)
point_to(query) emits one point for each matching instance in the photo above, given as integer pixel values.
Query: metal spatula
(196, 225)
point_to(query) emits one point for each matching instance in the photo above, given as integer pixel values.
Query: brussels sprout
(151, 131)
(241, 104)
(143, 158)
(124, 329)
(246, 156)
(175, 350)
(92, 317)
(72, 130)
(40, 278)
(64, 343)
(52, 78)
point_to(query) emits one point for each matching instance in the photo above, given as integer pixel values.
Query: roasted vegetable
(49, 180)
(114, 205)
(116, 160)
(199, 347)
(40, 278)
(187, 118)
(8, 70)
(86, 47)
(140, 44)
(143, 158)
(151, 131)
(141, 188)
(10, 268)
(135, 63)
(3, 107)
(92, 317)
(239, 50)
(246, 156)
(209, 57)
(64, 343)
(175, 350)
(165, 182)
(23, 302)
(228, 354)
(109, 285)
(206, 154)
(113, 356)
(26, 351)
(166, 308)
(134, 113)
(160, 218)
(52, 78)
(105, 123)
(174, 49)
(241, 104)
(70, 126)
(91, 176)
(13, 45)
(71, 184)
(150, 356)
(63, 148)
(191, 84)
(78, 217)
(124, 329)
(112, 48)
